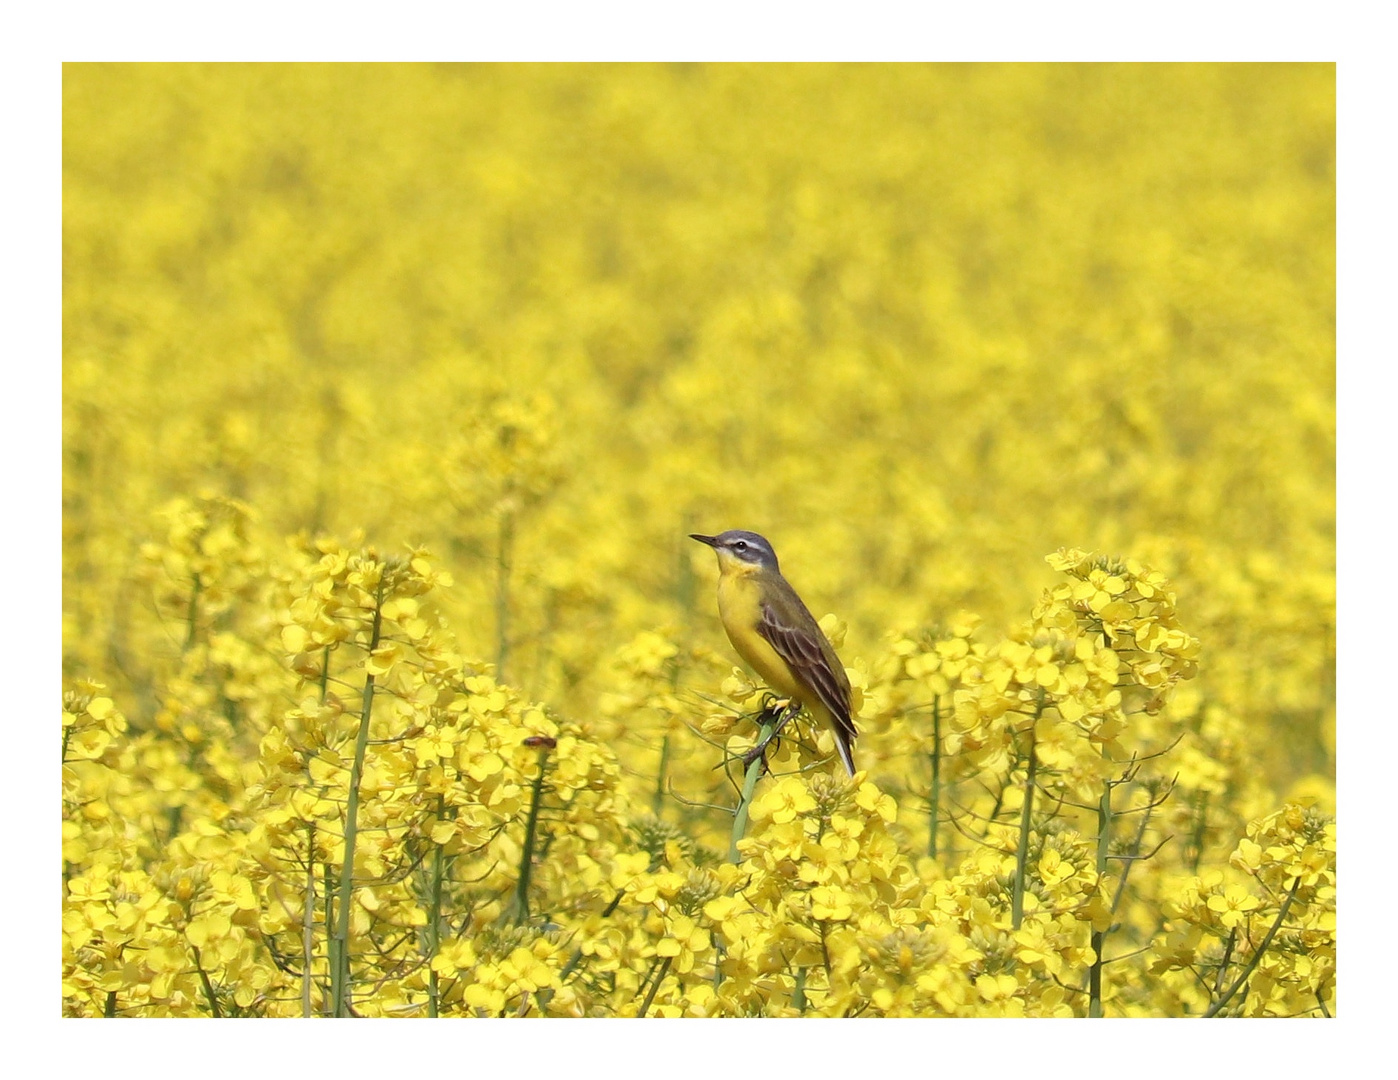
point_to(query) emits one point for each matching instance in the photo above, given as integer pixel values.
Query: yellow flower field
(393, 685)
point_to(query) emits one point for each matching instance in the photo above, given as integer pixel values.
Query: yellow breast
(740, 609)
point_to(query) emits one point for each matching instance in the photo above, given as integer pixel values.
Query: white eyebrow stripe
(752, 547)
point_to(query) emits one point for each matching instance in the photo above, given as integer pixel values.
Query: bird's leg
(761, 748)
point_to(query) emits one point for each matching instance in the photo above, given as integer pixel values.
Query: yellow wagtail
(775, 633)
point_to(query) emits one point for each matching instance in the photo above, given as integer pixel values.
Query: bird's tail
(844, 746)
(841, 730)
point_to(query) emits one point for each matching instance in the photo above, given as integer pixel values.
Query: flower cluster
(393, 684)
(1261, 943)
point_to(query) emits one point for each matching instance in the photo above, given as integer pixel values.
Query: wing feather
(801, 643)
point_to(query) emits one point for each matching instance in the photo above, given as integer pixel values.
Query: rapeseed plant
(392, 686)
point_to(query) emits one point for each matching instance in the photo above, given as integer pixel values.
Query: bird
(775, 633)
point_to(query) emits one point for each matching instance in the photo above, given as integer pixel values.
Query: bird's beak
(712, 541)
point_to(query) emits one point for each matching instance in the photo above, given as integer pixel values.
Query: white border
(713, 31)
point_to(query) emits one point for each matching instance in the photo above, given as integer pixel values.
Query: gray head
(741, 546)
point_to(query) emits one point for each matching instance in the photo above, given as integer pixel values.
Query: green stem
(545, 996)
(1022, 852)
(740, 817)
(332, 943)
(1257, 956)
(209, 994)
(650, 995)
(308, 921)
(192, 619)
(1135, 850)
(434, 926)
(657, 798)
(340, 988)
(504, 555)
(1227, 957)
(1099, 937)
(1196, 842)
(519, 908)
(308, 917)
(935, 798)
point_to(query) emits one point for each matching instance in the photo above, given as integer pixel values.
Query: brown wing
(798, 639)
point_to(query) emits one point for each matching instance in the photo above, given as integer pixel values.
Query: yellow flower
(784, 801)
(1233, 905)
(831, 904)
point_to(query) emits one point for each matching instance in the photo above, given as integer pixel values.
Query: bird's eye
(741, 545)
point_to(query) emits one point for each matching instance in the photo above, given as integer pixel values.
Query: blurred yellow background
(919, 325)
